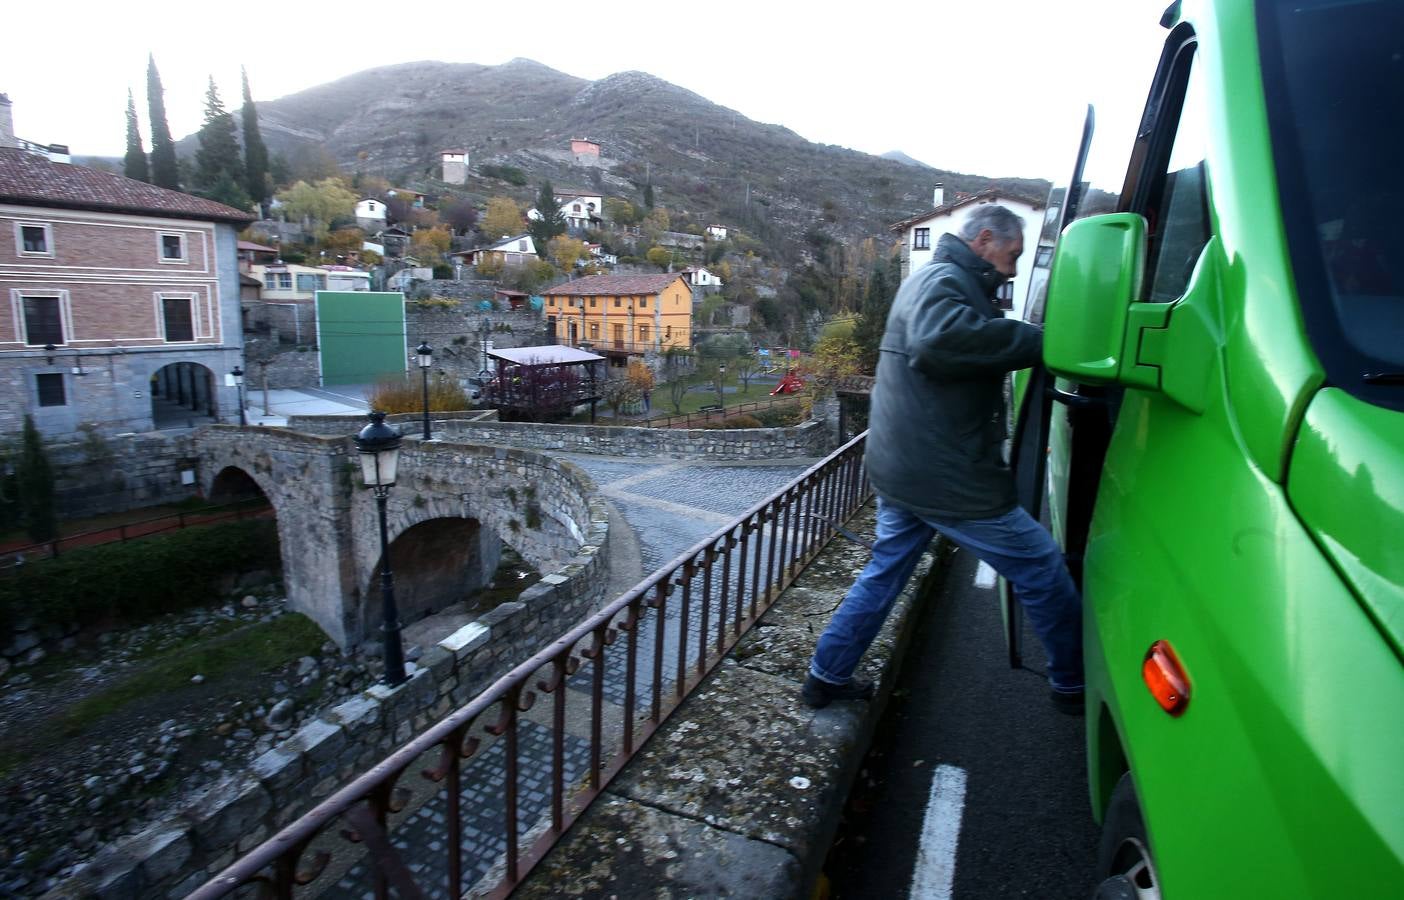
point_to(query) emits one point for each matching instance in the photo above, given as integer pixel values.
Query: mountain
(707, 163)
(904, 159)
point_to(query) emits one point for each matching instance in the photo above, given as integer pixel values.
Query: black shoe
(818, 693)
(1072, 703)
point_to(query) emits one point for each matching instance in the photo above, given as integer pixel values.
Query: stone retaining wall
(100, 475)
(186, 848)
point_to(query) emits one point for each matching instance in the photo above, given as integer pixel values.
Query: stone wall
(286, 366)
(811, 439)
(98, 475)
(210, 829)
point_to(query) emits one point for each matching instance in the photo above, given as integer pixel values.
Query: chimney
(7, 123)
(938, 196)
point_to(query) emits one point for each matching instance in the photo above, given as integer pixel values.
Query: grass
(245, 652)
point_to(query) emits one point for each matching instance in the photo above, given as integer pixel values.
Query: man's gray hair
(1002, 222)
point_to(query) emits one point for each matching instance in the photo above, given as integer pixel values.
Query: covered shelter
(538, 383)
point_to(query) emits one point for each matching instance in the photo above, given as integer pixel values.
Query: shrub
(406, 395)
(135, 580)
(783, 416)
(35, 476)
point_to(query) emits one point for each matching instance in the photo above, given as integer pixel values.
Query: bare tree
(745, 367)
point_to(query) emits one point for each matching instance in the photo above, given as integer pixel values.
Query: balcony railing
(508, 770)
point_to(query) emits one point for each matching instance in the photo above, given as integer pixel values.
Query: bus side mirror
(1097, 271)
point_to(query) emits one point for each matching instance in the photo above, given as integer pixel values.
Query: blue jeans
(1013, 544)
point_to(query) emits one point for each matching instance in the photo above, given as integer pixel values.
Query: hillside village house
(413, 198)
(701, 277)
(580, 211)
(920, 233)
(510, 251)
(621, 315)
(585, 151)
(716, 232)
(454, 166)
(370, 215)
(123, 301)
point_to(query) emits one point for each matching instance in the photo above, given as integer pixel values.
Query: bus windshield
(1333, 72)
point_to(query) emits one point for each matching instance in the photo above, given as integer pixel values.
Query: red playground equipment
(790, 384)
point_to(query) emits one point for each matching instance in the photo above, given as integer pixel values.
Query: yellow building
(622, 314)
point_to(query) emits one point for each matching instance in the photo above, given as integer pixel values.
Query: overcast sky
(994, 87)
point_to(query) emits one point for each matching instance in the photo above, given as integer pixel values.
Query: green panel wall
(361, 335)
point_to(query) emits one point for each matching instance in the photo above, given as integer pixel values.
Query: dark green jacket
(937, 424)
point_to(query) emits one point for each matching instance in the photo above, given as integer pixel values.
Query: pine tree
(134, 165)
(36, 486)
(255, 151)
(648, 195)
(877, 303)
(219, 167)
(165, 172)
(550, 222)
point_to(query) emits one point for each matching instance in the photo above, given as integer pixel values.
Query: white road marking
(933, 877)
(984, 575)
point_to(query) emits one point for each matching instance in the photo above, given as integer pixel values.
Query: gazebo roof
(548, 355)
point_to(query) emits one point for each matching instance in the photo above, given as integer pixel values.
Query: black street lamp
(484, 331)
(426, 359)
(379, 447)
(721, 374)
(238, 375)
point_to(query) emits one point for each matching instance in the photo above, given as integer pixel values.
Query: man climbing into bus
(935, 459)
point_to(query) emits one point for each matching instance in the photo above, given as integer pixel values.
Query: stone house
(123, 297)
(920, 233)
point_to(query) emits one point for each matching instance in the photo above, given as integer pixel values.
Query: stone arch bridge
(453, 506)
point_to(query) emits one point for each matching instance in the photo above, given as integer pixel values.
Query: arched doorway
(436, 564)
(183, 396)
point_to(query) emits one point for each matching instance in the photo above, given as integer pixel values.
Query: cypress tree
(164, 170)
(134, 165)
(255, 151)
(648, 195)
(219, 169)
(36, 486)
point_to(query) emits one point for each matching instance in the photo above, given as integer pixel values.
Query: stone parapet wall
(408, 423)
(193, 843)
(808, 440)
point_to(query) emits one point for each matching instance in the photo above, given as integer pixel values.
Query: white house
(700, 277)
(345, 278)
(509, 251)
(920, 232)
(370, 215)
(716, 232)
(597, 251)
(454, 166)
(578, 210)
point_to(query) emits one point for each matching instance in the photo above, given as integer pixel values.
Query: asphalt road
(1025, 828)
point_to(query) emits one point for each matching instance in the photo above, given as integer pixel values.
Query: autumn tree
(460, 213)
(219, 169)
(549, 222)
(503, 218)
(621, 212)
(134, 163)
(343, 243)
(165, 171)
(565, 252)
(619, 393)
(318, 203)
(659, 256)
(255, 151)
(428, 245)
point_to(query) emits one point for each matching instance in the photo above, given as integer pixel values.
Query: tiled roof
(261, 248)
(614, 285)
(948, 208)
(32, 180)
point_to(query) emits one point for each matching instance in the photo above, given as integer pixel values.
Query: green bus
(1218, 443)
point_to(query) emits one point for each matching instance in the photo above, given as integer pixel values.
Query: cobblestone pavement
(670, 506)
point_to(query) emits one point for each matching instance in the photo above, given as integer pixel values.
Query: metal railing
(240, 509)
(511, 774)
(687, 420)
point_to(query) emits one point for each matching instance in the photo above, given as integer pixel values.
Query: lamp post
(238, 374)
(721, 374)
(484, 331)
(379, 447)
(426, 359)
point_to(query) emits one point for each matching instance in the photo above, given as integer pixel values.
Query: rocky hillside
(706, 162)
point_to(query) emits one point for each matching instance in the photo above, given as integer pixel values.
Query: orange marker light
(1166, 678)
